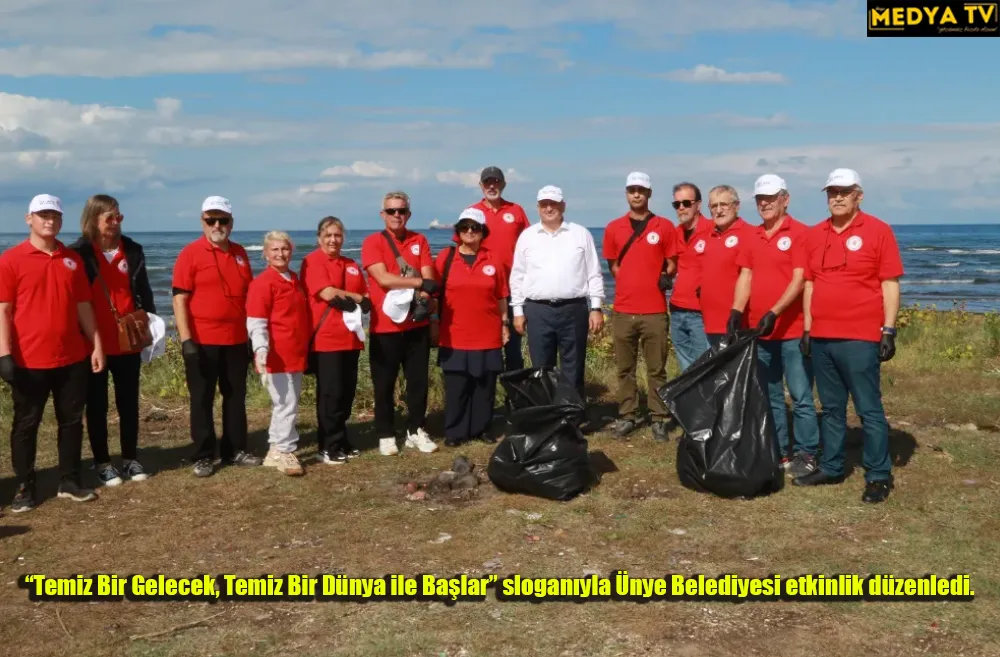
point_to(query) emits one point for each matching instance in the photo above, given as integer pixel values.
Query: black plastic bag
(729, 446)
(544, 453)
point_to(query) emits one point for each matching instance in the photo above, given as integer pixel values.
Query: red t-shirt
(506, 224)
(375, 249)
(847, 271)
(320, 271)
(218, 282)
(719, 272)
(636, 285)
(119, 287)
(285, 306)
(469, 316)
(43, 291)
(772, 261)
(688, 265)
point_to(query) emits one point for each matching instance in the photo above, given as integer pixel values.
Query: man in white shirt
(556, 288)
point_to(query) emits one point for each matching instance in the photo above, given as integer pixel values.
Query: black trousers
(68, 386)
(513, 358)
(336, 384)
(124, 371)
(225, 367)
(468, 405)
(559, 330)
(410, 350)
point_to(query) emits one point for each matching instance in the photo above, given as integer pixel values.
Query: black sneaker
(134, 471)
(334, 457)
(203, 468)
(453, 442)
(623, 427)
(661, 430)
(245, 459)
(353, 452)
(24, 500)
(875, 492)
(802, 465)
(816, 478)
(486, 438)
(108, 475)
(70, 490)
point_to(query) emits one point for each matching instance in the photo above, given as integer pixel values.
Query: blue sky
(304, 108)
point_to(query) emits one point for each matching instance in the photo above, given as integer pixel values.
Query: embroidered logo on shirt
(489, 270)
(415, 249)
(653, 238)
(784, 243)
(854, 243)
(699, 246)
(732, 241)
(240, 261)
(509, 218)
(70, 264)
(123, 267)
(353, 271)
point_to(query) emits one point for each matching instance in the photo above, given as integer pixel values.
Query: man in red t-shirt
(850, 303)
(211, 278)
(772, 271)
(641, 250)
(717, 251)
(687, 327)
(401, 273)
(46, 319)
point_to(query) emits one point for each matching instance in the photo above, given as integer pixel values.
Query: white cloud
(714, 75)
(778, 120)
(304, 195)
(470, 179)
(361, 169)
(977, 203)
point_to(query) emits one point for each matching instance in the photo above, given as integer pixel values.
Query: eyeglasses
(113, 217)
(687, 203)
(394, 211)
(722, 205)
(222, 221)
(834, 192)
(635, 190)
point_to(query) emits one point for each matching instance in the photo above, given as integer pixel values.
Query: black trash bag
(729, 446)
(544, 453)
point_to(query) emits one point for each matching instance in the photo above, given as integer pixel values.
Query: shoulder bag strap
(452, 250)
(404, 266)
(107, 294)
(635, 234)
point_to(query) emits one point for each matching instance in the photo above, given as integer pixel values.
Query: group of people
(824, 300)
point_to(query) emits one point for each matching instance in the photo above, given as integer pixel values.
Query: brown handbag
(133, 327)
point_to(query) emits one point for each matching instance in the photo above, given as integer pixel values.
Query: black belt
(555, 303)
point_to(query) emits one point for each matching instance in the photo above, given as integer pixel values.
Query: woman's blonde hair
(277, 236)
(96, 205)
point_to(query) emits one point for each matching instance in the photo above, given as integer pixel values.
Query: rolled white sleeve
(595, 278)
(257, 328)
(517, 271)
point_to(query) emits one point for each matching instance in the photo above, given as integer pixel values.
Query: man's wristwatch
(889, 330)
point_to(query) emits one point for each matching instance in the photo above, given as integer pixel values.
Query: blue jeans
(687, 332)
(781, 359)
(852, 367)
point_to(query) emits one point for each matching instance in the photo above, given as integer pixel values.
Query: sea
(947, 266)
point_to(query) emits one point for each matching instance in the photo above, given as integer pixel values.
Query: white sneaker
(387, 447)
(421, 441)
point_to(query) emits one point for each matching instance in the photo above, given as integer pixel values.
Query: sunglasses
(466, 228)
(489, 182)
(394, 211)
(635, 190)
(685, 204)
(222, 221)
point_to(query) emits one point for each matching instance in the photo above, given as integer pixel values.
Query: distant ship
(437, 225)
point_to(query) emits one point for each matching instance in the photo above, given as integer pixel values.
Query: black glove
(189, 349)
(345, 304)
(766, 324)
(7, 368)
(734, 323)
(804, 347)
(887, 347)
(429, 285)
(665, 282)
(366, 305)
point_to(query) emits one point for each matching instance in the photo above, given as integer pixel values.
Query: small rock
(411, 488)
(492, 564)
(446, 477)
(952, 427)
(534, 516)
(461, 465)
(678, 532)
(970, 427)
(465, 482)
(442, 538)
(590, 571)
(970, 482)
(416, 497)
(496, 614)
(532, 539)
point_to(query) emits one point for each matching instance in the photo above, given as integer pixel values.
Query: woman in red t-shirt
(278, 326)
(472, 329)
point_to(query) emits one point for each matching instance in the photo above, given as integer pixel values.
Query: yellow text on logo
(903, 17)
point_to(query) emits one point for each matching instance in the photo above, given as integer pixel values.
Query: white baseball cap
(768, 185)
(550, 193)
(158, 331)
(843, 178)
(217, 203)
(397, 304)
(638, 179)
(475, 214)
(44, 202)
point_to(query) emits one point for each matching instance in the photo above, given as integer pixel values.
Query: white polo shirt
(550, 266)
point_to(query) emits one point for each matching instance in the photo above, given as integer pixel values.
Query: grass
(356, 519)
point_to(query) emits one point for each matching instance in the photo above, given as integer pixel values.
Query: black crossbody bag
(664, 281)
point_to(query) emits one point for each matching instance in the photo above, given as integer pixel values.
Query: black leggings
(124, 371)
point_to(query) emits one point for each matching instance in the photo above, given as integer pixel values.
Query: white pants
(284, 388)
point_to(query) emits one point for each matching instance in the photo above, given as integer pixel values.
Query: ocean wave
(254, 247)
(947, 264)
(936, 281)
(989, 271)
(921, 248)
(157, 268)
(954, 251)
